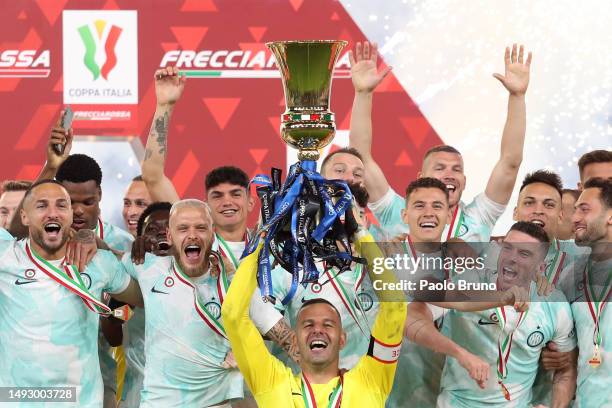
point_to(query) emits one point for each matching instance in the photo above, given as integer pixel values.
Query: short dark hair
(426, 182)
(151, 208)
(319, 300)
(440, 148)
(226, 174)
(79, 168)
(546, 177)
(138, 178)
(347, 150)
(531, 229)
(15, 185)
(573, 192)
(595, 156)
(605, 190)
(40, 183)
(360, 193)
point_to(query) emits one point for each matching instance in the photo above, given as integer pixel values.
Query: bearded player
(49, 330)
(593, 228)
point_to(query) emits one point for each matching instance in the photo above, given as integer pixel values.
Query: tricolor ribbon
(222, 286)
(456, 223)
(99, 231)
(504, 345)
(310, 401)
(226, 251)
(553, 271)
(596, 306)
(71, 279)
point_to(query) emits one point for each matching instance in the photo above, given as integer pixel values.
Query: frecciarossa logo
(25, 63)
(234, 64)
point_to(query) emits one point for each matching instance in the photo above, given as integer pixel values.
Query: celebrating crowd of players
(200, 335)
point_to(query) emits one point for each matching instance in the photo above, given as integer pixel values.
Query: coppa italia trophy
(304, 218)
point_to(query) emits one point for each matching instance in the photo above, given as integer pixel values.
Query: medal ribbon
(596, 304)
(554, 269)
(226, 250)
(309, 398)
(300, 217)
(504, 345)
(222, 286)
(456, 223)
(66, 278)
(99, 231)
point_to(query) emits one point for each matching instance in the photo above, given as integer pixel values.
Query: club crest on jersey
(214, 309)
(29, 274)
(365, 300)
(169, 282)
(86, 280)
(535, 339)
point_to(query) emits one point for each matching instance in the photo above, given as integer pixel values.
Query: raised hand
(364, 73)
(169, 85)
(62, 137)
(516, 78)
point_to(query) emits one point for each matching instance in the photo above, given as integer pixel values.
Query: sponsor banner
(25, 63)
(100, 57)
(104, 116)
(258, 64)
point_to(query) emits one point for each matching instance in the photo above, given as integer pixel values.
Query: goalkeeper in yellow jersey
(319, 338)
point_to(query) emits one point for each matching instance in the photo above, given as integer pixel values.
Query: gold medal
(595, 361)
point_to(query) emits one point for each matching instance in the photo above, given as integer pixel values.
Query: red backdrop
(218, 121)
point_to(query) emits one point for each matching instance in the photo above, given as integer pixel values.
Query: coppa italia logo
(91, 46)
(100, 57)
(234, 64)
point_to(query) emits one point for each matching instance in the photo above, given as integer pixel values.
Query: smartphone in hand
(66, 124)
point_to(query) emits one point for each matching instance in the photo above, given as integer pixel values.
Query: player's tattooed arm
(564, 382)
(169, 85)
(282, 334)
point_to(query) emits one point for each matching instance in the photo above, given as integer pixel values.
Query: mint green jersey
(51, 336)
(119, 240)
(184, 356)
(478, 220)
(133, 347)
(419, 369)
(560, 261)
(593, 384)
(5, 235)
(548, 319)
(116, 238)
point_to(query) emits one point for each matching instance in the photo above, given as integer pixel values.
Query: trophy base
(308, 137)
(308, 154)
